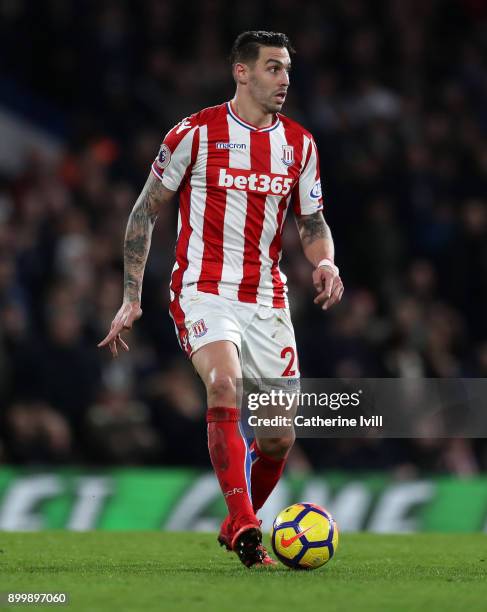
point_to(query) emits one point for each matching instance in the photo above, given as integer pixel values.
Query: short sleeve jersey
(235, 184)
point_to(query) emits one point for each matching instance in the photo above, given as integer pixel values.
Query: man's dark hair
(246, 47)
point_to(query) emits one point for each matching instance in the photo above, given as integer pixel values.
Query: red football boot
(247, 543)
(246, 539)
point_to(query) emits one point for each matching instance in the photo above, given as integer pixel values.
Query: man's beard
(271, 107)
(275, 107)
(266, 102)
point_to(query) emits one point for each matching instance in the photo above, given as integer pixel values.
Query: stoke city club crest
(288, 155)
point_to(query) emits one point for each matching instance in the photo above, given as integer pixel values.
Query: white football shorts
(264, 336)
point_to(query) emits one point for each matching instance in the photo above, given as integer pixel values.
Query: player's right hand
(128, 313)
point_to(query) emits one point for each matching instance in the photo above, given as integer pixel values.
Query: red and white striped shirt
(235, 183)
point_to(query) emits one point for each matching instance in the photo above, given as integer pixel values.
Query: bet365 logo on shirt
(246, 180)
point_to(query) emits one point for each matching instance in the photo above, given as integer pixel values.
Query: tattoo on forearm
(138, 238)
(313, 227)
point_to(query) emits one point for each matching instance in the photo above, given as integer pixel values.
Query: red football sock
(231, 461)
(266, 472)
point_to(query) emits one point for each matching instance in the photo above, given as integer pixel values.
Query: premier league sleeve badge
(163, 157)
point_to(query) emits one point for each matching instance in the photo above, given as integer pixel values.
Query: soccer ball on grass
(304, 536)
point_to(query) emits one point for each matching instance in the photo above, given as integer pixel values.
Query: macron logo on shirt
(246, 180)
(231, 145)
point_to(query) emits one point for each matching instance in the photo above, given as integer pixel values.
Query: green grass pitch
(188, 572)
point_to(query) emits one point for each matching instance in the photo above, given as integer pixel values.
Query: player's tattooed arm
(138, 235)
(136, 248)
(315, 237)
(319, 249)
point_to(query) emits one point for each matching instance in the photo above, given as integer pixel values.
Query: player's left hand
(328, 285)
(126, 316)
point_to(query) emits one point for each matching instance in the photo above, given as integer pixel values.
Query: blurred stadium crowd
(395, 93)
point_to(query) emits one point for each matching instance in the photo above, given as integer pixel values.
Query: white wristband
(329, 263)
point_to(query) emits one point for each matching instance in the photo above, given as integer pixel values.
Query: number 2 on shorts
(289, 370)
